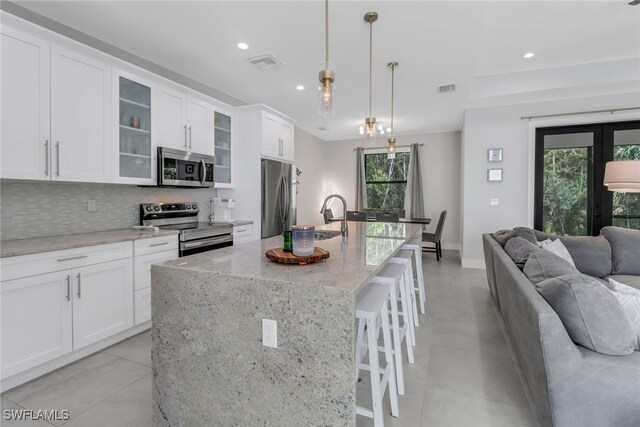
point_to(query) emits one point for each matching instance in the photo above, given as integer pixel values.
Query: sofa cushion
(591, 314)
(558, 248)
(629, 299)
(591, 254)
(625, 249)
(502, 236)
(519, 250)
(541, 235)
(543, 265)
(525, 233)
(633, 281)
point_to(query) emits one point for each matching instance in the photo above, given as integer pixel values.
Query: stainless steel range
(194, 236)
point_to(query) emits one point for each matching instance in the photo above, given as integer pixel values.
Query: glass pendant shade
(623, 176)
(391, 148)
(326, 90)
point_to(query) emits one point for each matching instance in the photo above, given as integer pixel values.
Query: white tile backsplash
(39, 208)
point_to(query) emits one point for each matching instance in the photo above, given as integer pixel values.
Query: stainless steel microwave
(177, 168)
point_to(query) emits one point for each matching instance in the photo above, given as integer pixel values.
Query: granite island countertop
(9, 248)
(352, 259)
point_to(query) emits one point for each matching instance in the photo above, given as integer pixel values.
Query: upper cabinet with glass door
(134, 162)
(222, 147)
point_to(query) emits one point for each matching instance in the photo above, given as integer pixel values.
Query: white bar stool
(419, 280)
(393, 276)
(404, 257)
(372, 310)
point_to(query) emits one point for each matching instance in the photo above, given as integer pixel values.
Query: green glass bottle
(286, 239)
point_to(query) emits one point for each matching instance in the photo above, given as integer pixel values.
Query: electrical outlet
(269, 333)
(91, 205)
(494, 202)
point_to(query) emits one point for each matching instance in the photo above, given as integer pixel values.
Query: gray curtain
(361, 185)
(413, 200)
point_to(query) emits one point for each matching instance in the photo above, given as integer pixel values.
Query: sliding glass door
(569, 170)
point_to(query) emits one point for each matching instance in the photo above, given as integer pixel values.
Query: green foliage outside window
(626, 206)
(386, 180)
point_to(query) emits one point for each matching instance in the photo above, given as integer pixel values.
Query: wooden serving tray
(280, 256)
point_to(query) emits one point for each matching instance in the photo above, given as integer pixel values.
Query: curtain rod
(384, 147)
(611, 110)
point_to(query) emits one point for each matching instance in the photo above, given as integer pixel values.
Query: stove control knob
(148, 208)
(156, 208)
(188, 206)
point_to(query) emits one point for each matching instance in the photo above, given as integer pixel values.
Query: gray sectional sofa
(569, 385)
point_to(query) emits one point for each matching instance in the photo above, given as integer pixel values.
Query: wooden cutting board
(280, 256)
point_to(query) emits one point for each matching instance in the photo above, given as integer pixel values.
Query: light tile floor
(464, 374)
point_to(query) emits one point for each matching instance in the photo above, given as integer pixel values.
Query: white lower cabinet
(36, 320)
(73, 298)
(242, 233)
(143, 305)
(102, 301)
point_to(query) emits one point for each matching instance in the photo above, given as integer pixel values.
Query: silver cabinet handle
(185, 136)
(190, 140)
(46, 157)
(68, 287)
(72, 258)
(159, 244)
(79, 287)
(204, 173)
(57, 158)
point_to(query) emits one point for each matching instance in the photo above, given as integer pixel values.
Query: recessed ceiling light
(528, 55)
(300, 87)
(243, 46)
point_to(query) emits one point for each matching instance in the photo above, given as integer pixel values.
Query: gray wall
(33, 209)
(311, 159)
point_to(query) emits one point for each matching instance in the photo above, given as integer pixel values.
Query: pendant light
(327, 75)
(391, 148)
(369, 129)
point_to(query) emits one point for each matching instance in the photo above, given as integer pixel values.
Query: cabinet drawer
(48, 262)
(142, 305)
(142, 268)
(242, 233)
(156, 244)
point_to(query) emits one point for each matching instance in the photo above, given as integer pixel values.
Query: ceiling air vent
(323, 128)
(265, 62)
(447, 88)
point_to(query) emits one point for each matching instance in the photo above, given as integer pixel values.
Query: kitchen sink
(326, 234)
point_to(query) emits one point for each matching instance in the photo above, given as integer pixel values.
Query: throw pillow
(525, 233)
(591, 314)
(502, 236)
(519, 250)
(591, 254)
(541, 235)
(556, 247)
(625, 249)
(543, 265)
(629, 299)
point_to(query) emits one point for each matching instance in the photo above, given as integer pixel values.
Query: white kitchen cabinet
(36, 320)
(183, 122)
(132, 128)
(80, 117)
(25, 142)
(54, 303)
(242, 233)
(103, 301)
(148, 252)
(277, 138)
(223, 147)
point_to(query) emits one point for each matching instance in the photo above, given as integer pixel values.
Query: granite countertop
(234, 222)
(352, 260)
(9, 248)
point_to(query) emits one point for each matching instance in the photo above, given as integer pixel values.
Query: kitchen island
(209, 364)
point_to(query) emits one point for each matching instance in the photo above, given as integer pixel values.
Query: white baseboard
(35, 372)
(473, 263)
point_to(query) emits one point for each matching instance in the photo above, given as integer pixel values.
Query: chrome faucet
(344, 229)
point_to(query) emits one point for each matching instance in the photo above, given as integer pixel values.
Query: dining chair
(435, 237)
(387, 216)
(356, 216)
(328, 215)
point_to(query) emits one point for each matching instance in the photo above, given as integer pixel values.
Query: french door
(570, 197)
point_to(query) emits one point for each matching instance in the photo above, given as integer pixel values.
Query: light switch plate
(494, 154)
(91, 205)
(494, 202)
(269, 333)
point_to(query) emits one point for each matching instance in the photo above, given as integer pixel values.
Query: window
(386, 180)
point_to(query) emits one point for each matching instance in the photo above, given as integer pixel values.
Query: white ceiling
(435, 42)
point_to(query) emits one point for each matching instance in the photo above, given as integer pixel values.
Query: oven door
(178, 168)
(191, 247)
